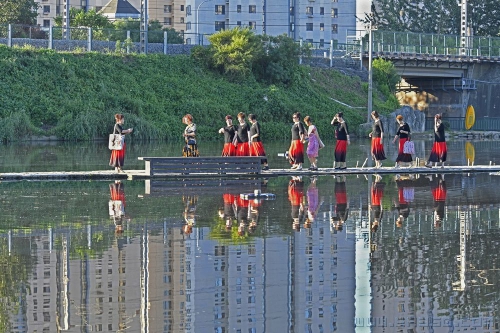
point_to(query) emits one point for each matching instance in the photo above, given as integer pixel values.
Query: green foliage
(74, 96)
(18, 12)
(78, 17)
(385, 76)
(429, 16)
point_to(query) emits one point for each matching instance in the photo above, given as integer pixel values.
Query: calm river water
(406, 253)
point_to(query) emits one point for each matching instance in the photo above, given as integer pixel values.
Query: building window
(321, 43)
(321, 27)
(238, 23)
(321, 10)
(309, 27)
(292, 27)
(335, 28)
(182, 8)
(182, 19)
(46, 9)
(188, 10)
(238, 8)
(309, 11)
(220, 9)
(252, 25)
(188, 26)
(46, 23)
(167, 8)
(219, 25)
(252, 9)
(335, 0)
(292, 10)
(335, 12)
(167, 21)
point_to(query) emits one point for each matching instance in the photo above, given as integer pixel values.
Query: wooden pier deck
(141, 174)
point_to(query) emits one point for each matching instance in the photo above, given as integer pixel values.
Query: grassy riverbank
(74, 96)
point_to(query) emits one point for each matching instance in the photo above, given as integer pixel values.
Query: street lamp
(197, 19)
(370, 69)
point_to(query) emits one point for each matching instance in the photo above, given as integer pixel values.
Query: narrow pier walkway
(141, 174)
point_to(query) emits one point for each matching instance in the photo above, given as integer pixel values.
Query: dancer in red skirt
(117, 204)
(228, 213)
(242, 214)
(296, 196)
(439, 149)
(342, 136)
(377, 194)
(401, 204)
(341, 204)
(438, 189)
(377, 135)
(256, 146)
(118, 156)
(229, 133)
(242, 146)
(404, 135)
(296, 150)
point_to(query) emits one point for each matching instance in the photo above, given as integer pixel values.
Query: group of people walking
(244, 139)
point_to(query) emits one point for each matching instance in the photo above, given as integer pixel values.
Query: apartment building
(317, 21)
(170, 13)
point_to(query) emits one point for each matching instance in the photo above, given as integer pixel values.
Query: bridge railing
(458, 124)
(409, 42)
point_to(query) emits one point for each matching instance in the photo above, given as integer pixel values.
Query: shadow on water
(346, 254)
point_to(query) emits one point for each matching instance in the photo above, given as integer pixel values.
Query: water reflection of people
(405, 194)
(190, 202)
(341, 204)
(295, 196)
(312, 203)
(242, 214)
(438, 188)
(228, 212)
(117, 204)
(254, 206)
(377, 193)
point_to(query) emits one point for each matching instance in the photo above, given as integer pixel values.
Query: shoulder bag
(116, 141)
(409, 147)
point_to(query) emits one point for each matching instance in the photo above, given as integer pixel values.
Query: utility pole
(144, 27)
(463, 28)
(65, 24)
(370, 69)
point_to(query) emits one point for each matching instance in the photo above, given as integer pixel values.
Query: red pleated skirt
(439, 152)
(228, 198)
(241, 202)
(401, 196)
(402, 157)
(117, 192)
(377, 194)
(117, 157)
(296, 152)
(439, 193)
(243, 149)
(257, 149)
(340, 150)
(378, 149)
(229, 150)
(295, 195)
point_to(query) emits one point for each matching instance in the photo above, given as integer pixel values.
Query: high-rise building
(316, 21)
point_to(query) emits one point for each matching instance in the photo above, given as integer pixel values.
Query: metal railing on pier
(458, 124)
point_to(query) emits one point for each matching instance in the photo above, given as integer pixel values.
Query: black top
(439, 134)
(229, 132)
(242, 133)
(255, 129)
(404, 127)
(378, 128)
(341, 131)
(297, 130)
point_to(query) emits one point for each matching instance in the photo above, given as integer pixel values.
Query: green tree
(18, 12)
(431, 16)
(234, 52)
(81, 18)
(155, 31)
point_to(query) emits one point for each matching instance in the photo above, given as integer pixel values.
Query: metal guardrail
(458, 124)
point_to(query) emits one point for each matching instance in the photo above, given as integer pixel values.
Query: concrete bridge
(441, 76)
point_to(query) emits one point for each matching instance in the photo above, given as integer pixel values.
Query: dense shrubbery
(74, 96)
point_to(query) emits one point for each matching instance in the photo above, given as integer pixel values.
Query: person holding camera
(377, 135)
(439, 150)
(342, 136)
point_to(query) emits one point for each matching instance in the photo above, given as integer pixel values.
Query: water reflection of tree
(15, 267)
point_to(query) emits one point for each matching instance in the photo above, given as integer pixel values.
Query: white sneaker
(397, 166)
(299, 167)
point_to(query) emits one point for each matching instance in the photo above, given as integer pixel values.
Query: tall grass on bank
(75, 96)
